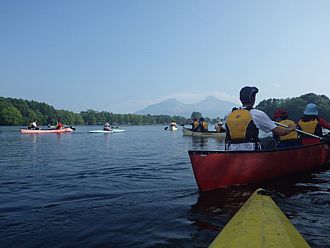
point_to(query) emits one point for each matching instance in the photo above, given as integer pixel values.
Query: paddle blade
(165, 128)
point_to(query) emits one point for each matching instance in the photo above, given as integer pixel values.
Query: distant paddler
(33, 125)
(107, 127)
(59, 125)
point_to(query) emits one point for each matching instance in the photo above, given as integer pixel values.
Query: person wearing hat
(312, 123)
(290, 140)
(243, 124)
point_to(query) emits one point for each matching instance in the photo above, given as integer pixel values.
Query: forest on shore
(21, 112)
(16, 112)
(295, 106)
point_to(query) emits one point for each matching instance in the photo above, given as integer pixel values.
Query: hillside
(211, 107)
(296, 105)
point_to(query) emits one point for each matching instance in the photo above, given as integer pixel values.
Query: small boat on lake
(259, 223)
(190, 132)
(108, 131)
(173, 128)
(218, 169)
(45, 131)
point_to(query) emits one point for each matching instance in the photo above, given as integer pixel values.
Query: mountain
(211, 107)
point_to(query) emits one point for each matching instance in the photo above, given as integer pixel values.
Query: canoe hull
(218, 169)
(45, 131)
(189, 132)
(259, 223)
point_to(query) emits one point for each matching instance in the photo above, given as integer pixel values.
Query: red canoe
(218, 169)
(41, 131)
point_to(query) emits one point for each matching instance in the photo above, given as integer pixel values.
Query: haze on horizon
(122, 56)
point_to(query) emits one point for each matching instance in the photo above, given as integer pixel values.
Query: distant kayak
(111, 131)
(43, 131)
(259, 223)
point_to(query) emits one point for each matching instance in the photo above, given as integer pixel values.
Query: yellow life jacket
(204, 125)
(196, 124)
(292, 135)
(308, 126)
(240, 127)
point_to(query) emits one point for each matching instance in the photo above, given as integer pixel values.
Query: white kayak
(111, 131)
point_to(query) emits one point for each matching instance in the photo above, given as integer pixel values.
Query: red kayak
(218, 169)
(41, 131)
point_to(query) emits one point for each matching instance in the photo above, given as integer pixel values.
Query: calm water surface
(131, 189)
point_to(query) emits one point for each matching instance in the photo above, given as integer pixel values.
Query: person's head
(35, 120)
(280, 114)
(311, 109)
(247, 95)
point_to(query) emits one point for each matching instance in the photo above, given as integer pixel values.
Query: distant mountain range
(211, 107)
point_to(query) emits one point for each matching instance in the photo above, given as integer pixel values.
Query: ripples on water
(132, 189)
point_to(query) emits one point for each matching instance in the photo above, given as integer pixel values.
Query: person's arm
(281, 131)
(324, 123)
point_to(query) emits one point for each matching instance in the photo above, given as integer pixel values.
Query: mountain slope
(211, 107)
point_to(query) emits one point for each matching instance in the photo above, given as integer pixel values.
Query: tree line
(22, 112)
(295, 106)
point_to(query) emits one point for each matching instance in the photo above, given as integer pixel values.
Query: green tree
(9, 115)
(196, 115)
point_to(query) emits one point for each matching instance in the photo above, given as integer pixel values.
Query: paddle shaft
(299, 131)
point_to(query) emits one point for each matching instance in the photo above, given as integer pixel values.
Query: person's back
(243, 125)
(204, 126)
(219, 128)
(33, 125)
(311, 123)
(290, 140)
(241, 132)
(195, 125)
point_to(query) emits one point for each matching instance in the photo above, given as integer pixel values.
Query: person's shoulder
(260, 115)
(258, 112)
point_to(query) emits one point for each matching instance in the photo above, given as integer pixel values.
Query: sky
(121, 56)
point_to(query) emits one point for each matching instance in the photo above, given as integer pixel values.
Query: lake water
(131, 189)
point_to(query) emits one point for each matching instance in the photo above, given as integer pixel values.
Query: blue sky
(123, 55)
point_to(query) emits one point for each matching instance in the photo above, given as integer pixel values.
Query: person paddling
(107, 127)
(33, 125)
(312, 123)
(243, 124)
(203, 126)
(195, 125)
(59, 125)
(290, 140)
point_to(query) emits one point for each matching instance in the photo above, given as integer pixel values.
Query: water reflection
(213, 209)
(199, 142)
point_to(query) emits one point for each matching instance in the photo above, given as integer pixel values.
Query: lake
(131, 189)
